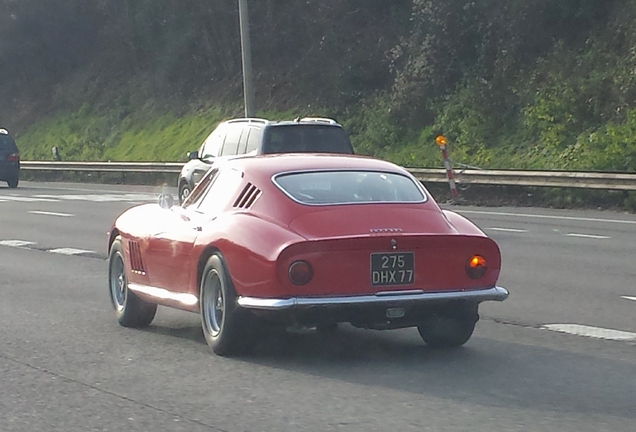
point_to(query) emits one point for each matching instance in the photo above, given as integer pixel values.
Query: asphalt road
(66, 365)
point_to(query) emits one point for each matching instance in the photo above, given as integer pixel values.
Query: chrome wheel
(213, 303)
(131, 311)
(227, 329)
(118, 282)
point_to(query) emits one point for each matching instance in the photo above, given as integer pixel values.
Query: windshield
(349, 187)
(306, 139)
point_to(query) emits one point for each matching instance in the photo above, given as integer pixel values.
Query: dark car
(254, 136)
(9, 159)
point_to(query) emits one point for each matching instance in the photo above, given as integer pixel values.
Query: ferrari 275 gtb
(304, 239)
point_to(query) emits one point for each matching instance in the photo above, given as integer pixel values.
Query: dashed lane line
(70, 251)
(128, 198)
(512, 230)
(23, 244)
(534, 216)
(515, 230)
(628, 298)
(99, 191)
(26, 199)
(101, 197)
(17, 243)
(593, 332)
(590, 236)
(46, 213)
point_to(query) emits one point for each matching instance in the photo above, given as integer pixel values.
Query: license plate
(394, 268)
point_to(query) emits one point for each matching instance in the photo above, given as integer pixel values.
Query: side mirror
(165, 201)
(193, 155)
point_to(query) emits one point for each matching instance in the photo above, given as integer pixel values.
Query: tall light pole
(246, 51)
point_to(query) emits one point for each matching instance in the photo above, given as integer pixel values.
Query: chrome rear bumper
(411, 297)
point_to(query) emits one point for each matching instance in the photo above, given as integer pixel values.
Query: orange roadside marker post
(441, 141)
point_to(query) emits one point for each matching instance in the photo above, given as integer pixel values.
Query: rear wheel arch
(203, 259)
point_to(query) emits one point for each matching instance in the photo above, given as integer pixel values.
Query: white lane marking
(591, 236)
(509, 230)
(26, 199)
(629, 298)
(594, 332)
(111, 191)
(23, 244)
(103, 197)
(70, 251)
(45, 213)
(16, 243)
(582, 219)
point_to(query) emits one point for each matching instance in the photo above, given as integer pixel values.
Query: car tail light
(13, 157)
(300, 272)
(476, 266)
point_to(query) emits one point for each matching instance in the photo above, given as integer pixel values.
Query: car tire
(227, 328)
(13, 182)
(131, 311)
(184, 191)
(448, 330)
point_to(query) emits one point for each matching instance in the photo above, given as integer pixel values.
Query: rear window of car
(305, 138)
(349, 187)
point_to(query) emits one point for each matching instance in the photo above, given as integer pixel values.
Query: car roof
(294, 123)
(305, 121)
(272, 164)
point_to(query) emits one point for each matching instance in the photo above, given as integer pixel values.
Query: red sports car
(310, 240)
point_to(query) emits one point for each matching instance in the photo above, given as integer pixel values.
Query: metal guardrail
(118, 167)
(574, 179)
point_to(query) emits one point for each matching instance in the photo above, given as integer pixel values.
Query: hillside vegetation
(513, 83)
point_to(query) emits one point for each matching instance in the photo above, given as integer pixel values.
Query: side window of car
(230, 147)
(242, 147)
(200, 190)
(220, 192)
(254, 140)
(213, 143)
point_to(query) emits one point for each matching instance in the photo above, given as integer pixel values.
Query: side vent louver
(248, 196)
(136, 263)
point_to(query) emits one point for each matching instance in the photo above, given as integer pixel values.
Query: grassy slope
(145, 133)
(86, 135)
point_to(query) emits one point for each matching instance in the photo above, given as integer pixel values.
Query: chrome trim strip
(395, 293)
(163, 294)
(495, 293)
